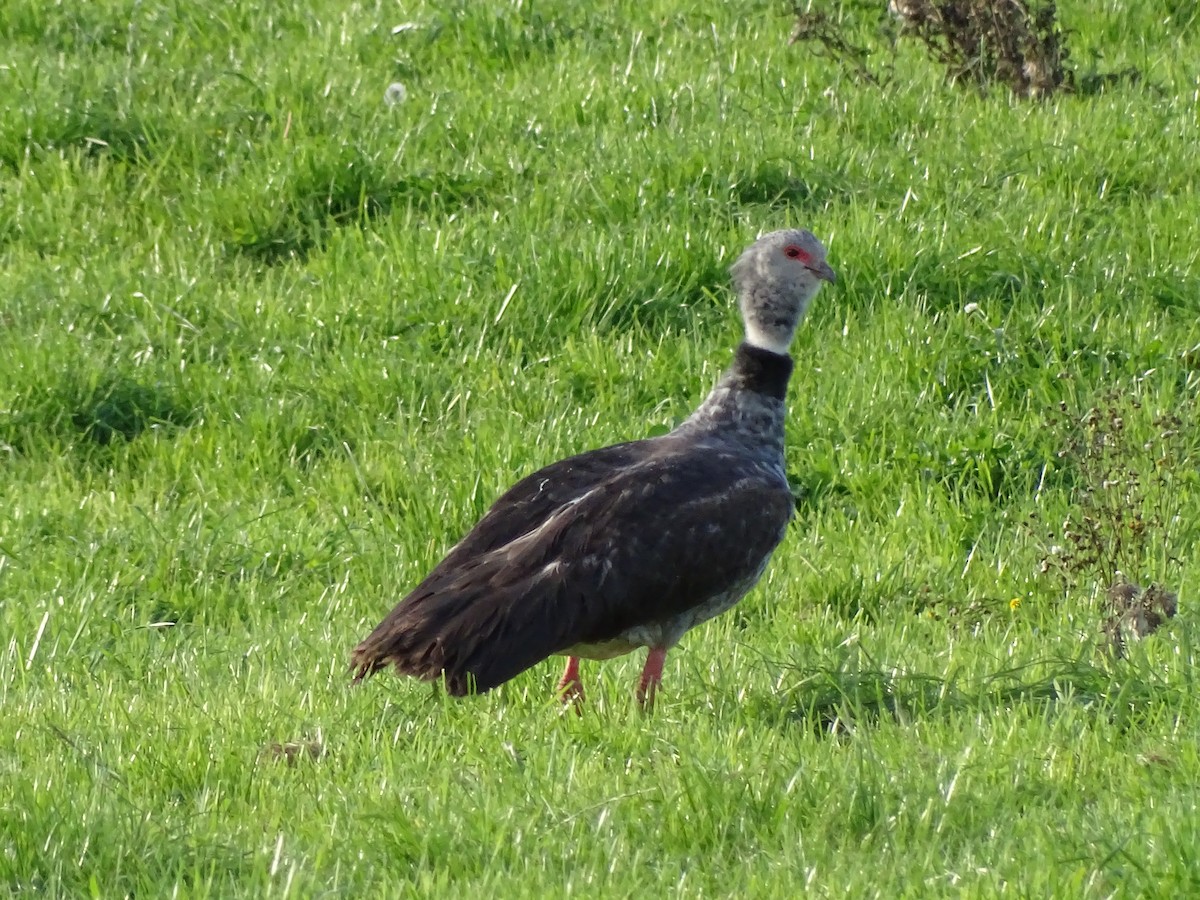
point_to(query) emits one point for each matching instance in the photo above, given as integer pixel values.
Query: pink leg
(570, 686)
(651, 677)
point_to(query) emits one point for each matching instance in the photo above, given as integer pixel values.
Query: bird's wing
(640, 544)
(535, 497)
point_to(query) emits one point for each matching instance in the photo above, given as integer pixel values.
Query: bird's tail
(475, 637)
(413, 640)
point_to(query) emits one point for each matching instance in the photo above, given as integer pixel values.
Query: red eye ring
(791, 251)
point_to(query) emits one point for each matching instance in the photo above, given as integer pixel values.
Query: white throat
(756, 337)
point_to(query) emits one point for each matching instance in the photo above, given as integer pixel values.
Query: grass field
(270, 344)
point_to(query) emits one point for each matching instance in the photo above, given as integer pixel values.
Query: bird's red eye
(791, 251)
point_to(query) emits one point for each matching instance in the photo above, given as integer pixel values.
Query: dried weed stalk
(816, 27)
(1125, 514)
(981, 42)
(989, 42)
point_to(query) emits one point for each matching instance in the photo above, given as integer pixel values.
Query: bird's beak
(823, 271)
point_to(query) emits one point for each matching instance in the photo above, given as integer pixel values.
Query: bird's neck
(772, 341)
(748, 402)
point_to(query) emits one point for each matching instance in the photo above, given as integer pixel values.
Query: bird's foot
(651, 678)
(570, 686)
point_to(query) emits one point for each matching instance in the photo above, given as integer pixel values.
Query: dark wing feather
(528, 502)
(578, 553)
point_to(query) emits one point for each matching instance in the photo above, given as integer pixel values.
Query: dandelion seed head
(396, 93)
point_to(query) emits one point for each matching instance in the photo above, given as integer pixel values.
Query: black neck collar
(762, 371)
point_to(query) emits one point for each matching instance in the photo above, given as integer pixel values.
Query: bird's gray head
(776, 278)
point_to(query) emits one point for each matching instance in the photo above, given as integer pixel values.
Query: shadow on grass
(93, 133)
(498, 39)
(122, 407)
(816, 488)
(336, 194)
(111, 409)
(774, 185)
(836, 703)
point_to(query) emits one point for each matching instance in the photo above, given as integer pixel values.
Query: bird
(626, 546)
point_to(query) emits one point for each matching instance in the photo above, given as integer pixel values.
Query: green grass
(269, 345)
